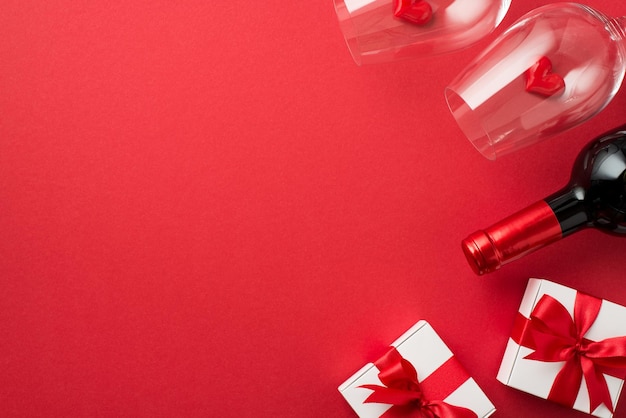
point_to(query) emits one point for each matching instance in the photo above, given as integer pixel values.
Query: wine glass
(553, 69)
(388, 30)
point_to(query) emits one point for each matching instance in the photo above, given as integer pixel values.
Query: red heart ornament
(415, 11)
(541, 80)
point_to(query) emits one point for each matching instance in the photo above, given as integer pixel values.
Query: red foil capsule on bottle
(521, 233)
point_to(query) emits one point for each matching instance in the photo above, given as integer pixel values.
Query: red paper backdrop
(207, 209)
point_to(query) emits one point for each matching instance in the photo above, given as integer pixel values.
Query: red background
(207, 209)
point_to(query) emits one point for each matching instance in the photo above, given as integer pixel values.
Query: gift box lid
(427, 352)
(537, 377)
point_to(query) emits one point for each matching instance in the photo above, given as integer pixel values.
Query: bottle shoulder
(599, 180)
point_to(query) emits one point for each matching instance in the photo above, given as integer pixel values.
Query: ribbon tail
(406, 411)
(596, 386)
(445, 410)
(391, 396)
(567, 383)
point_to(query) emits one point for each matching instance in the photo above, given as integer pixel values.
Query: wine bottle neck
(513, 237)
(569, 208)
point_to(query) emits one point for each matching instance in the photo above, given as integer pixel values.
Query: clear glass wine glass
(553, 69)
(389, 30)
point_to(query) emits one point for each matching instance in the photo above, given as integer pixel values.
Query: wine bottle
(594, 197)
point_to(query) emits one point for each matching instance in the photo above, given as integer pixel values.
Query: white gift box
(427, 352)
(537, 377)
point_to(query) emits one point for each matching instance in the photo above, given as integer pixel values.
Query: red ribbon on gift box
(411, 398)
(555, 336)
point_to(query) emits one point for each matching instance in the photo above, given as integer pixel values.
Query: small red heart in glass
(541, 80)
(416, 11)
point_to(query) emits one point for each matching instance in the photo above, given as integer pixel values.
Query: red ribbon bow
(404, 391)
(556, 336)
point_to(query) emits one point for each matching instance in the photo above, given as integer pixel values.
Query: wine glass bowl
(553, 69)
(389, 30)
